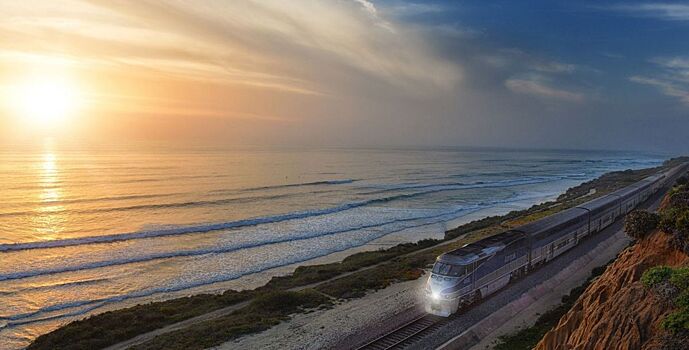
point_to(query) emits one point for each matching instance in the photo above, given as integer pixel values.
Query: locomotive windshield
(449, 270)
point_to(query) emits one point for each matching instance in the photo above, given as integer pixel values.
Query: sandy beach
(326, 329)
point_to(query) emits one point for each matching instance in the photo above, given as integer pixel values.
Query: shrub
(683, 180)
(287, 302)
(667, 220)
(639, 223)
(677, 279)
(682, 222)
(677, 321)
(680, 278)
(679, 198)
(656, 275)
(682, 300)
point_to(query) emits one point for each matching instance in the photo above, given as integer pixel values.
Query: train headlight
(435, 296)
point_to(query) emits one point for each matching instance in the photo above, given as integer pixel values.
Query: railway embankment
(641, 301)
(540, 299)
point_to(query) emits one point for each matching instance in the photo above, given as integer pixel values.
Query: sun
(45, 101)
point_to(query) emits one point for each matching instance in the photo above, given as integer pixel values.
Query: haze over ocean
(88, 231)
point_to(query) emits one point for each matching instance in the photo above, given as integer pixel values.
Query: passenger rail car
(465, 275)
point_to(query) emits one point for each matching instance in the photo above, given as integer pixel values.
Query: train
(466, 275)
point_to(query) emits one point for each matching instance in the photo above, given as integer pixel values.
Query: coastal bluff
(617, 311)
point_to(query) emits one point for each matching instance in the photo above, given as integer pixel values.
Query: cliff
(617, 311)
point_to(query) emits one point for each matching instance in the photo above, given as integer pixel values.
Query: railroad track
(407, 334)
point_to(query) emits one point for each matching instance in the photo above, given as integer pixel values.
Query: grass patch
(111, 327)
(262, 313)
(358, 284)
(527, 338)
(304, 275)
(677, 278)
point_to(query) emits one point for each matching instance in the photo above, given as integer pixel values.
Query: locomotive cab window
(449, 270)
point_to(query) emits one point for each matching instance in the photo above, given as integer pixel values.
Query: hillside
(641, 300)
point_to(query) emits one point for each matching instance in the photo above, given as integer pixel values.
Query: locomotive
(468, 274)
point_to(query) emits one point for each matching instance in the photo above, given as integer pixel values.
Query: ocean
(86, 231)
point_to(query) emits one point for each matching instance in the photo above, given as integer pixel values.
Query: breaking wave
(256, 221)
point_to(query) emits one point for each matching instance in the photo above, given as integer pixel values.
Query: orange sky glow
(226, 70)
(330, 73)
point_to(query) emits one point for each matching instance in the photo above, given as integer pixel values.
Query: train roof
(629, 190)
(598, 203)
(609, 199)
(551, 221)
(477, 250)
(654, 177)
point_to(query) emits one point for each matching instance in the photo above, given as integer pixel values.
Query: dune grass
(262, 313)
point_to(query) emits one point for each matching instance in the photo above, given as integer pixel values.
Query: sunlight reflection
(49, 219)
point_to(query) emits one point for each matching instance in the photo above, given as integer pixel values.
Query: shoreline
(450, 235)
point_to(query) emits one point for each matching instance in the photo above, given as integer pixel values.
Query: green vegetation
(527, 338)
(683, 180)
(677, 281)
(672, 283)
(305, 275)
(639, 223)
(655, 276)
(341, 280)
(674, 218)
(356, 285)
(108, 328)
(262, 313)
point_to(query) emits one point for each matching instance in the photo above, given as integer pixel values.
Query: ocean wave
(221, 201)
(29, 317)
(299, 184)
(188, 229)
(303, 184)
(460, 185)
(174, 205)
(235, 247)
(254, 221)
(87, 306)
(218, 250)
(91, 200)
(53, 286)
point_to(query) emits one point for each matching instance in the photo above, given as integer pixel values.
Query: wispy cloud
(415, 8)
(666, 86)
(673, 78)
(254, 43)
(538, 86)
(372, 11)
(664, 11)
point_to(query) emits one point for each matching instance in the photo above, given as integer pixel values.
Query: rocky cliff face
(617, 311)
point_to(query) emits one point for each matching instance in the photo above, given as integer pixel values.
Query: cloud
(347, 72)
(262, 44)
(663, 11)
(415, 9)
(554, 67)
(667, 87)
(537, 86)
(672, 80)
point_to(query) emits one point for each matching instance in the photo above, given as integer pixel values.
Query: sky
(348, 73)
